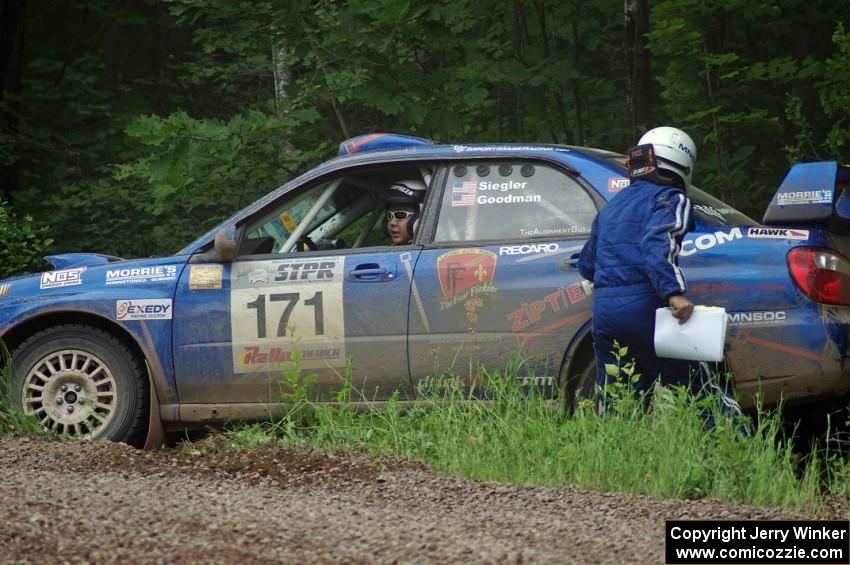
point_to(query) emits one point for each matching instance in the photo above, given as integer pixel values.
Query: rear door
(497, 284)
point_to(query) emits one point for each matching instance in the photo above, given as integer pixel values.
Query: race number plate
(282, 305)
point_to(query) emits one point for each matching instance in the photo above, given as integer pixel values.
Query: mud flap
(156, 433)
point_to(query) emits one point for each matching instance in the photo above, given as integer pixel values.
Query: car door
(497, 284)
(335, 309)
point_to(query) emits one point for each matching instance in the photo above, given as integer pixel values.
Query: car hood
(69, 260)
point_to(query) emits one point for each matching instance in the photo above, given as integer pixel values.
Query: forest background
(128, 127)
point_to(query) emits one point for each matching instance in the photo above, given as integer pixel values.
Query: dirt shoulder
(109, 503)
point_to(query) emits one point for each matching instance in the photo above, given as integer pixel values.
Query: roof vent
(379, 142)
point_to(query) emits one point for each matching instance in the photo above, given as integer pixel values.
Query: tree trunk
(11, 58)
(638, 78)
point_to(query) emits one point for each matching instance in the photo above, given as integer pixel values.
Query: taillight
(822, 274)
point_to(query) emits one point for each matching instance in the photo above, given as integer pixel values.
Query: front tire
(83, 383)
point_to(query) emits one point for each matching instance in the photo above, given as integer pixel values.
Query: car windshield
(713, 211)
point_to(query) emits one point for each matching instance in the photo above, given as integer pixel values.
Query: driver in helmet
(404, 206)
(632, 259)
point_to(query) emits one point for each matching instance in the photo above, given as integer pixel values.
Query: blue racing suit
(632, 259)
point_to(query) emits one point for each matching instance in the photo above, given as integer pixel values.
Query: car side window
(345, 212)
(510, 200)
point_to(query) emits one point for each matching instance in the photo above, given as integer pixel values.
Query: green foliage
(24, 245)
(518, 436)
(13, 421)
(148, 122)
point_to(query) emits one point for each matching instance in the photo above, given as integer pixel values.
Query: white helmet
(675, 151)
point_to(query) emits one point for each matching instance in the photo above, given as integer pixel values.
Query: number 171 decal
(281, 305)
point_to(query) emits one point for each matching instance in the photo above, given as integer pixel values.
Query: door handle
(370, 272)
(571, 262)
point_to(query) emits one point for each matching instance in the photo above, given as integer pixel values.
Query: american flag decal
(463, 193)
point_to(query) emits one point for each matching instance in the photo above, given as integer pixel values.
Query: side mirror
(225, 244)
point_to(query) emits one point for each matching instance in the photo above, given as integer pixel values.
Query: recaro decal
(279, 305)
(709, 240)
(529, 248)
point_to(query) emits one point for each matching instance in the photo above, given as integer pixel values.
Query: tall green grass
(520, 436)
(12, 418)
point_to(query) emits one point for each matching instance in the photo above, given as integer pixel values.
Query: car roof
(596, 165)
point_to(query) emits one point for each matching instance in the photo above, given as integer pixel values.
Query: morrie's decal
(145, 309)
(529, 248)
(283, 305)
(804, 197)
(755, 318)
(616, 184)
(65, 277)
(465, 276)
(141, 275)
(205, 276)
(777, 233)
(709, 240)
(4, 289)
(529, 314)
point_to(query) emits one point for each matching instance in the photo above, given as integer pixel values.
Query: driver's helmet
(409, 191)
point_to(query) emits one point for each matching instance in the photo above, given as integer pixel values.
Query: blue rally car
(124, 349)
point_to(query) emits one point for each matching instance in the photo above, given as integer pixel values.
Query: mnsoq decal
(145, 309)
(777, 233)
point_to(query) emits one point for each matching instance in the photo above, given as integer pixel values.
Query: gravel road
(109, 503)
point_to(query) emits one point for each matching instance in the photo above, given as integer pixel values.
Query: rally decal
(145, 309)
(765, 318)
(470, 193)
(529, 248)
(529, 314)
(158, 273)
(709, 240)
(465, 276)
(616, 184)
(4, 289)
(205, 276)
(285, 305)
(804, 197)
(65, 277)
(777, 233)
(467, 148)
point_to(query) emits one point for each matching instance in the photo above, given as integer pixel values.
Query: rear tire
(81, 382)
(580, 383)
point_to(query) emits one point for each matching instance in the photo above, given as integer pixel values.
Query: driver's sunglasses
(399, 215)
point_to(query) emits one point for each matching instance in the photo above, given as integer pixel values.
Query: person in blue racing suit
(632, 260)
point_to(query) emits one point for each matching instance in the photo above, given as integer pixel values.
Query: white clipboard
(701, 338)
